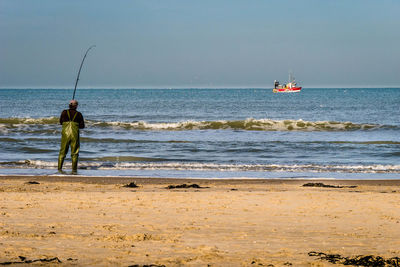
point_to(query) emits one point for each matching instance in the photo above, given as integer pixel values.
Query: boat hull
(287, 90)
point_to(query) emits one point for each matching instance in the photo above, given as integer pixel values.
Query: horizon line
(217, 87)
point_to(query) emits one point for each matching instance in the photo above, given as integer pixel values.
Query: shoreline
(158, 180)
(96, 221)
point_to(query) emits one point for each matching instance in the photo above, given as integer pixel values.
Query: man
(71, 121)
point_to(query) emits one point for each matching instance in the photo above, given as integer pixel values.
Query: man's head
(73, 104)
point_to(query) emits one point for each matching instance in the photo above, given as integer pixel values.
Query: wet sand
(86, 221)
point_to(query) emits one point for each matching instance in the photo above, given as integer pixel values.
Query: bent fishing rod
(79, 72)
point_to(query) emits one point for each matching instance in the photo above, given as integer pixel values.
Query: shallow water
(254, 133)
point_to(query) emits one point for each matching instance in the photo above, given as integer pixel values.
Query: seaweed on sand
(32, 182)
(185, 186)
(327, 185)
(131, 185)
(24, 260)
(360, 260)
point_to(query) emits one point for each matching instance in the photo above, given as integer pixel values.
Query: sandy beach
(95, 221)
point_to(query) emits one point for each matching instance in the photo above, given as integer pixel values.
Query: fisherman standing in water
(71, 121)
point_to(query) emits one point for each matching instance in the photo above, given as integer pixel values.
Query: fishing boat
(290, 87)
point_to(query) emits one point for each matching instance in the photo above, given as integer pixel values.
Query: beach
(199, 133)
(86, 221)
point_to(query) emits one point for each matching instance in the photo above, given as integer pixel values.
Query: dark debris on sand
(32, 182)
(370, 260)
(131, 185)
(26, 261)
(327, 185)
(185, 186)
(261, 264)
(146, 265)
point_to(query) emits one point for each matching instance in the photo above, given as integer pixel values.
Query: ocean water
(208, 133)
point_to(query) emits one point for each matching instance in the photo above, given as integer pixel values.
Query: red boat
(290, 87)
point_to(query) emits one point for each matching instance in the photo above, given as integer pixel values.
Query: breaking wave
(144, 165)
(249, 124)
(16, 121)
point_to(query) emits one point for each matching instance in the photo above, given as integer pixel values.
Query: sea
(332, 133)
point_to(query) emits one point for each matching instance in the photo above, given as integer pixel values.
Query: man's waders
(69, 136)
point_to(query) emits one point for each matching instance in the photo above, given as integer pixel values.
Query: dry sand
(94, 221)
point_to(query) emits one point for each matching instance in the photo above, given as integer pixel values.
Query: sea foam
(143, 164)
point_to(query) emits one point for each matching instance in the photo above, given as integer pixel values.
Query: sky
(199, 44)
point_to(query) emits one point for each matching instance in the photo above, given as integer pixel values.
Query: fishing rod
(79, 72)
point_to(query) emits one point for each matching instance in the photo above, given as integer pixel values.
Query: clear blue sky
(185, 43)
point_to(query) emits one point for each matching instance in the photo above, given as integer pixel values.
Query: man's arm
(62, 116)
(81, 121)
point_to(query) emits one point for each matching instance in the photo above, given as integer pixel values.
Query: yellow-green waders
(69, 137)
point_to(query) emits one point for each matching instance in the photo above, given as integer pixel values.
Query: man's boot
(60, 162)
(74, 164)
